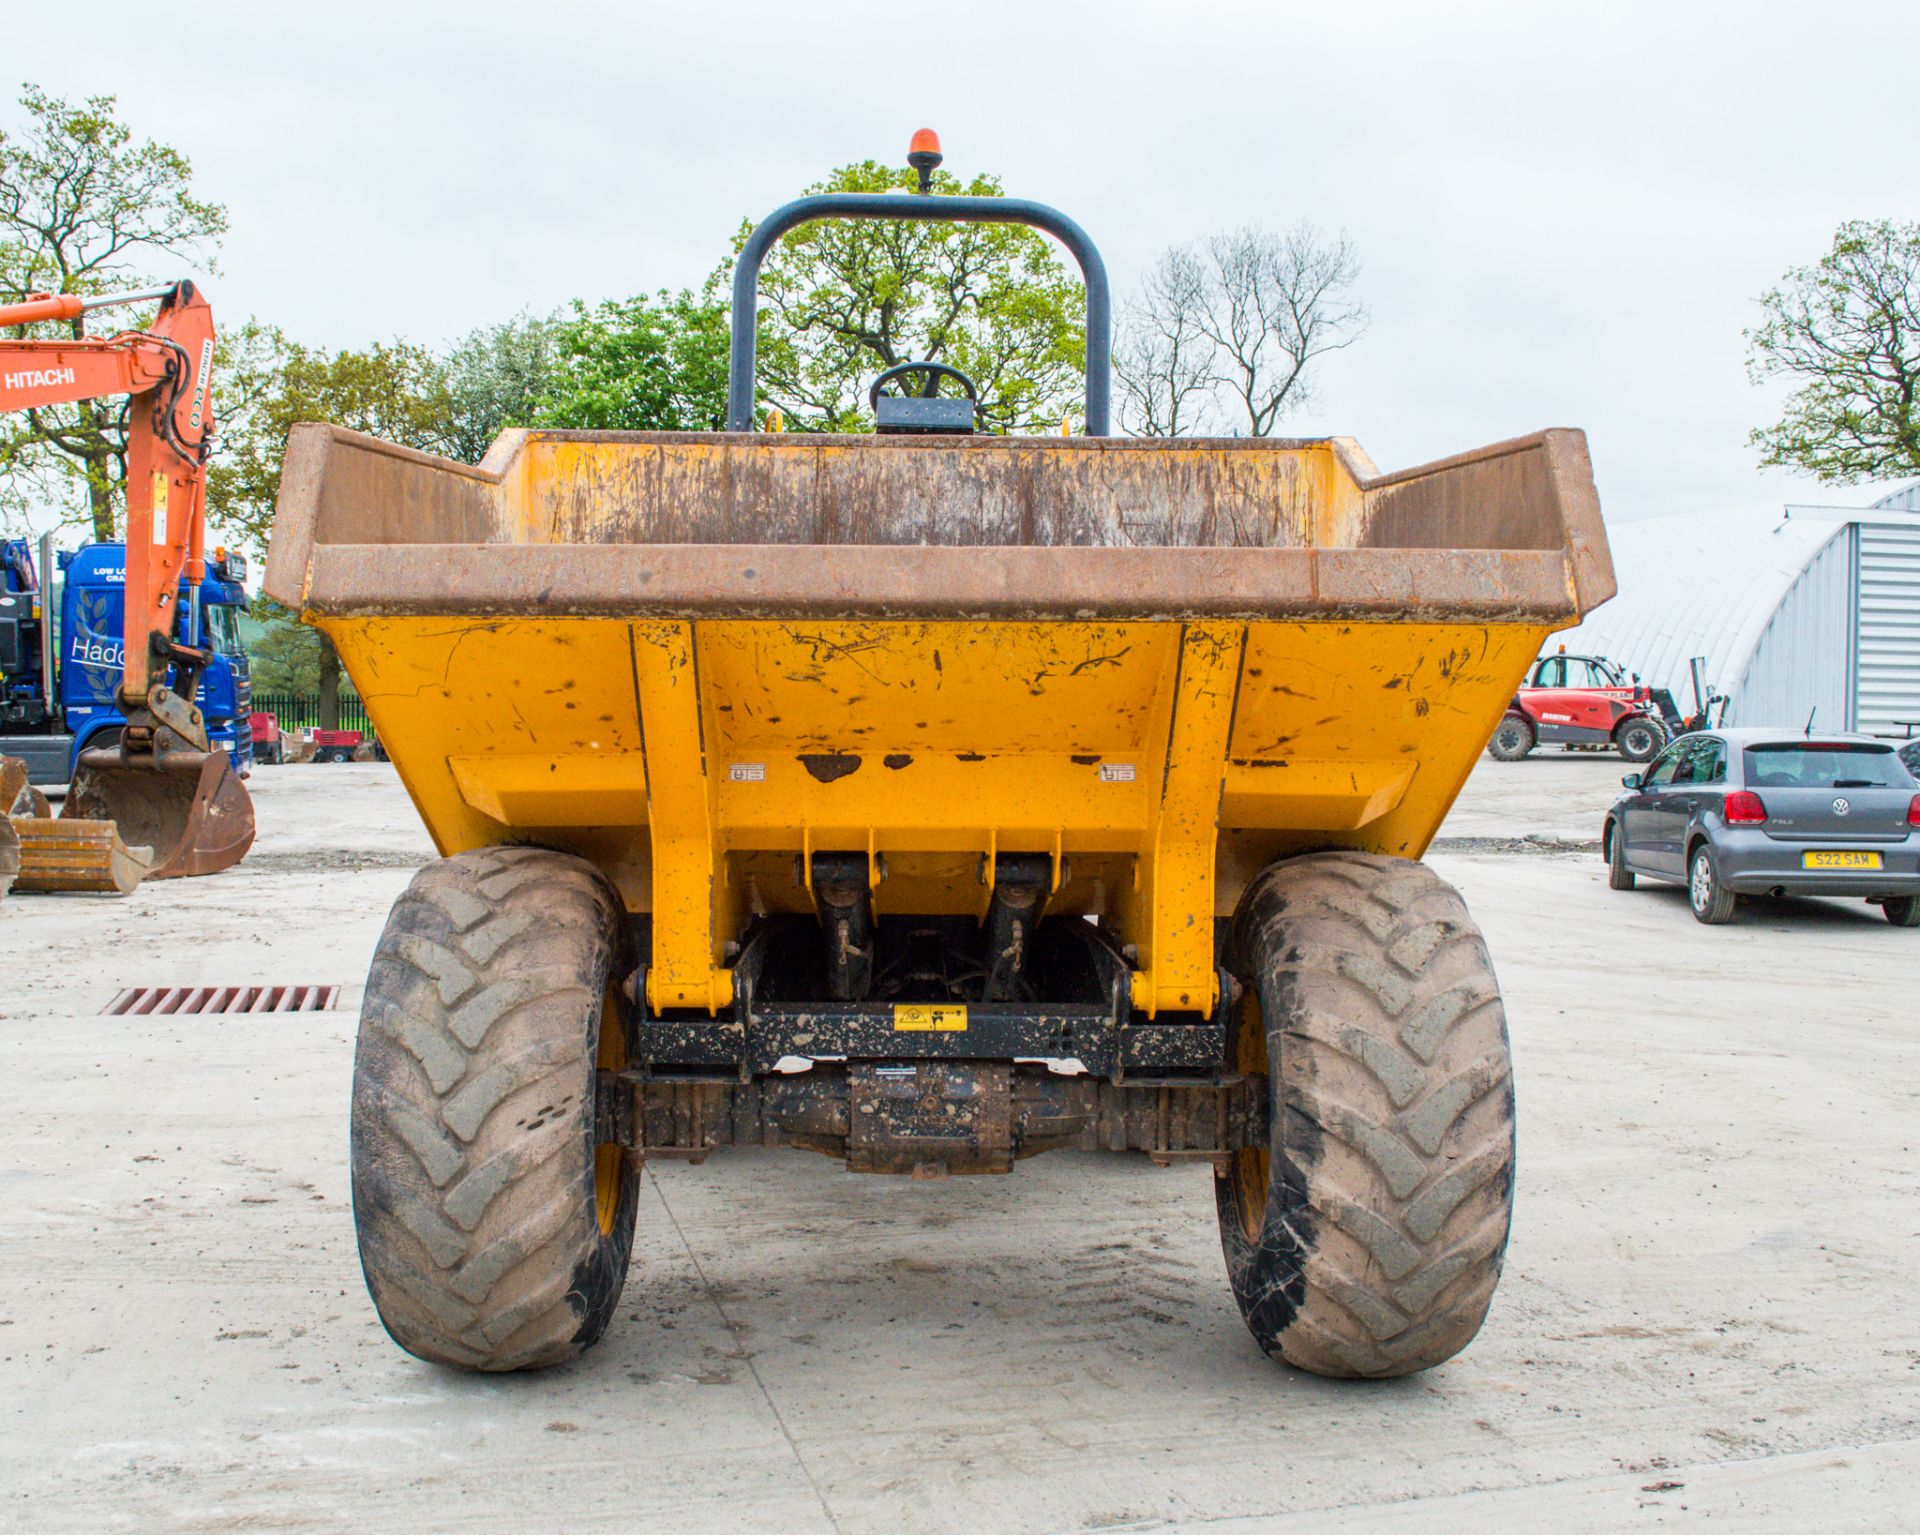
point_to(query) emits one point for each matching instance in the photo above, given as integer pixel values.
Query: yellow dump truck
(931, 800)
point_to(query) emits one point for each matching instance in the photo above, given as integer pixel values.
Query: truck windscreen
(223, 629)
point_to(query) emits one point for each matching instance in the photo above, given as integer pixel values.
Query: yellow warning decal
(929, 1018)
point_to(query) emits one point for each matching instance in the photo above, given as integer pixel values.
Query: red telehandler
(163, 785)
(1588, 703)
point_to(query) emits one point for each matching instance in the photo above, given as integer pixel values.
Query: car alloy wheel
(1712, 902)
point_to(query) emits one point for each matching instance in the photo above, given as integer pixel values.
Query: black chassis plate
(995, 1031)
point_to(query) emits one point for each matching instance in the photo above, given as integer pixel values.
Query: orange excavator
(166, 789)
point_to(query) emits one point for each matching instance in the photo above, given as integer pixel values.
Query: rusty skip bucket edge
(1162, 663)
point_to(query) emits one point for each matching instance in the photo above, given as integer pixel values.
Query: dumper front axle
(938, 1072)
(929, 1118)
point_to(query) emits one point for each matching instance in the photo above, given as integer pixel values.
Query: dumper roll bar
(927, 209)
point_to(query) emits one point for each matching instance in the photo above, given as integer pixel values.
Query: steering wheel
(935, 371)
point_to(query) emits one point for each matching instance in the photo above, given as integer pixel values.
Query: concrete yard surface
(1708, 1315)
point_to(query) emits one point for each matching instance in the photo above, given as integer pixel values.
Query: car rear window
(1824, 765)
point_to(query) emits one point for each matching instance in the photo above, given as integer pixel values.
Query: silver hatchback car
(1764, 812)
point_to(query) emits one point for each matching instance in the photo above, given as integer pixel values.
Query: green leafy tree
(84, 208)
(396, 391)
(497, 377)
(842, 300)
(642, 364)
(392, 390)
(285, 654)
(1847, 331)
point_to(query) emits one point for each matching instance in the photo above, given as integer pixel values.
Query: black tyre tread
(1619, 876)
(1655, 729)
(1390, 1192)
(1532, 737)
(1903, 911)
(473, 1114)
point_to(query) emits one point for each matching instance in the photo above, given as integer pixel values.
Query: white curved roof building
(1800, 611)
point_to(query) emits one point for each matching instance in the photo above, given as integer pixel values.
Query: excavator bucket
(39, 853)
(67, 856)
(189, 808)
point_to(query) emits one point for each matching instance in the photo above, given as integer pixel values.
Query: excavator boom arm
(164, 786)
(41, 373)
(166, 370)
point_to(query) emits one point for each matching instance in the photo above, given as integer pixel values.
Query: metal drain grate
(224, 999)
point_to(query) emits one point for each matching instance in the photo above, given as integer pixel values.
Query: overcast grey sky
(1565, 212)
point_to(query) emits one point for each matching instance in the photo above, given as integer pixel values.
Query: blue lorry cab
(90, 651)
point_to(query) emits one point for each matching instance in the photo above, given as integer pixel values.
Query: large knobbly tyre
(494, 1228)
(1367, 1238)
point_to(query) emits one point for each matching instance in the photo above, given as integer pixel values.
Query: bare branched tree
(1163, 358)
(1228, 330)
(1279, 302)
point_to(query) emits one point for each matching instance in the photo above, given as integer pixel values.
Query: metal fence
(301, 711)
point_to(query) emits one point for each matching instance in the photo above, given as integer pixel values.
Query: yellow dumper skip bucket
(698, 660)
